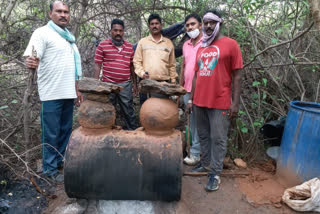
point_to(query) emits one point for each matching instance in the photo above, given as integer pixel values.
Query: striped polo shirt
(56, 71)
(115, 61)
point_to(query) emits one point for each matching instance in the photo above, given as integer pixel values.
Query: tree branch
(135, 11)
(3, 19)
(279, 44)
(287, 64)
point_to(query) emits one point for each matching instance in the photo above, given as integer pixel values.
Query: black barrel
(123, 165)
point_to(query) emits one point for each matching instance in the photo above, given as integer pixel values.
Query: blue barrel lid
(306, 106)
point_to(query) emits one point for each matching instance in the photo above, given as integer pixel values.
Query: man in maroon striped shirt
(115, 56)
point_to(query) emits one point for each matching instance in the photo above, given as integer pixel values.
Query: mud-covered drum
(110, 164)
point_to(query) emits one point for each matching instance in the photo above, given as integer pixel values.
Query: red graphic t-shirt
(214, 66)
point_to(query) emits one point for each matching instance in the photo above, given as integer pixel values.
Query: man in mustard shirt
(154, 57)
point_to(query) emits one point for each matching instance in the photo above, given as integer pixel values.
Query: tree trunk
(4, 17)
(315, 11)
(76, 29)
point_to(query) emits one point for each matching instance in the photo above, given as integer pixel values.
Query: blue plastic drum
(300, 146)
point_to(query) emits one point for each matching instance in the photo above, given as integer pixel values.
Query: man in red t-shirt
(218, 66)
(115, 56)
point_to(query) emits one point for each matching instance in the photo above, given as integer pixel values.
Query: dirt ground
(259, 192)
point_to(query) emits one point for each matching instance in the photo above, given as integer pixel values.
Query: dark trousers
(56, 127)
(142, 98)
(125, 100)
(212, 126)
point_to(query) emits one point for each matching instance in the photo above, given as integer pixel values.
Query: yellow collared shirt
(156, 58)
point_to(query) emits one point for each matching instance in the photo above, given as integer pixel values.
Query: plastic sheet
(305, 197)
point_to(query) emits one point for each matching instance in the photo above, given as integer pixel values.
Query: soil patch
(62, 199)
(261, 188)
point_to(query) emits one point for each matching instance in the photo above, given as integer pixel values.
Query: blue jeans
(125, 100)
(195, 148)
(56, 126)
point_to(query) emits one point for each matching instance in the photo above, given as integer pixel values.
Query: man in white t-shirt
(58, 65)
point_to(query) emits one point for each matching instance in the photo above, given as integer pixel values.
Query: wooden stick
(40, 190)
(223, 174)
(27, 106)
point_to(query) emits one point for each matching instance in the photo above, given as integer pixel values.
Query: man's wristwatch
(189, 101)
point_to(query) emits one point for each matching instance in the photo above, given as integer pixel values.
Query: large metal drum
(123, 165)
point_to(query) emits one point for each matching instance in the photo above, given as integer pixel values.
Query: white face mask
(194, 34)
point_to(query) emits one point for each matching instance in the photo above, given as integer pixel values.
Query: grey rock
(94, 86)
(78, 207)
(152, 86)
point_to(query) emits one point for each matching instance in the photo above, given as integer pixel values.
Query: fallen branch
(285, 64)
(28, 169)
(40, 190)
(223, 174)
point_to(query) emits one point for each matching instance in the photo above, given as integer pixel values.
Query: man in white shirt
(58, 65)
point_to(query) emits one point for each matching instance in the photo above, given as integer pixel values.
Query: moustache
(62, 19)
(155, 28)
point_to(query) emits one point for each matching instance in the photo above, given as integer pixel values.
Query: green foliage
(274, 40)
(251, 6)
(258, 122)
(315, 68)
(242, 125)
(256, 83)
(4, 107)
(264, 80)
(4, 183)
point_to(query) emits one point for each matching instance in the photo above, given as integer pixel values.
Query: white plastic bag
(305, 197)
